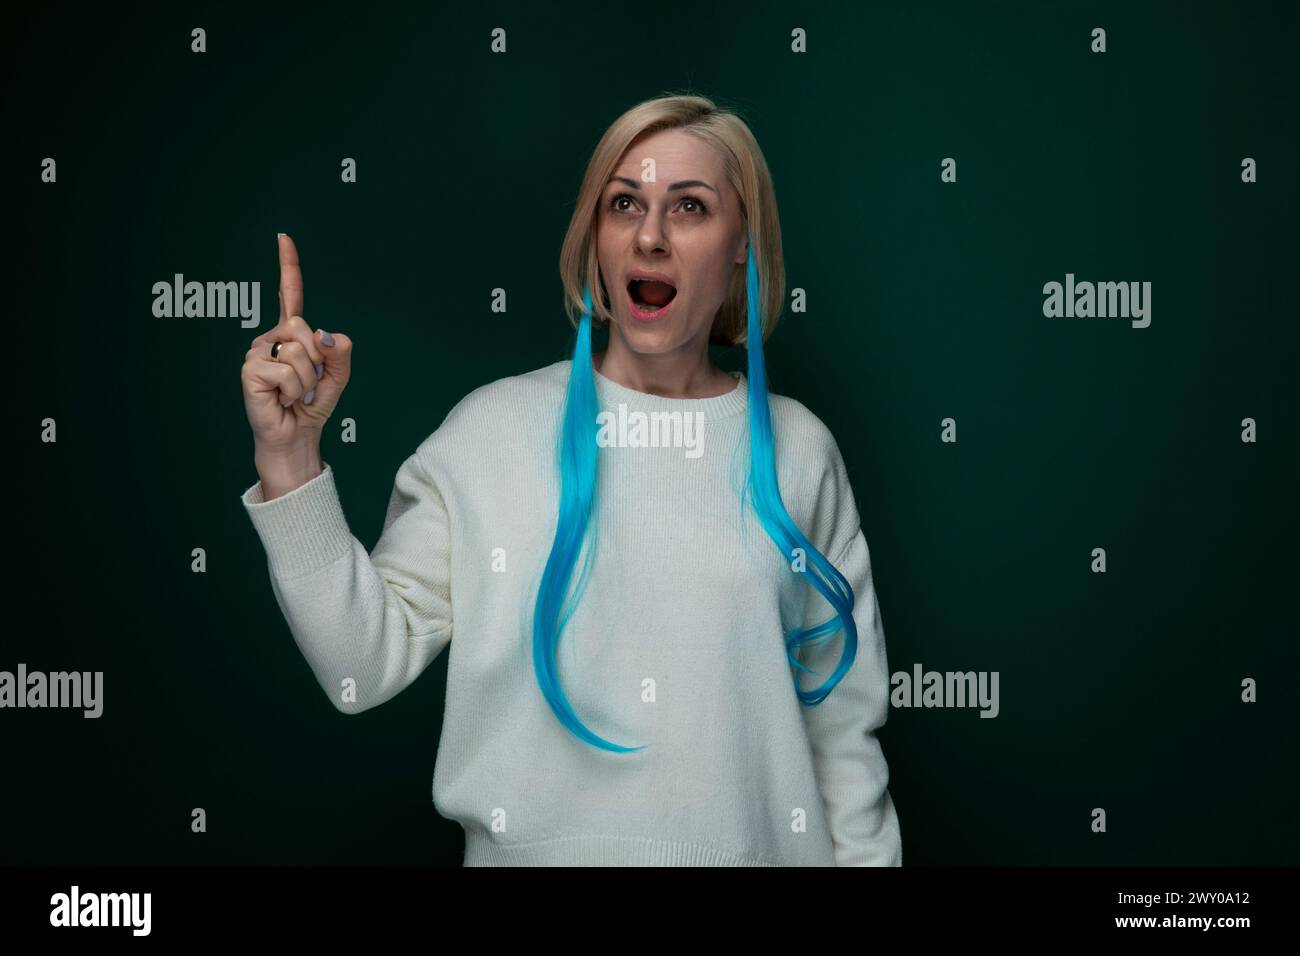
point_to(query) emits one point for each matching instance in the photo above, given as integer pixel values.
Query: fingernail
(326, 339)
(306, 399)
(320, 369)
(279, 235)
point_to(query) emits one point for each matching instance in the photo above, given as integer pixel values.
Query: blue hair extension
(764, 493)
(577, 463)
(577, 467)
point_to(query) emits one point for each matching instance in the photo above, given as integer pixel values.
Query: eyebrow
(684, 184)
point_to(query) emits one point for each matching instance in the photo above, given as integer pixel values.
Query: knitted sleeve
(368, 624)
(850, 766)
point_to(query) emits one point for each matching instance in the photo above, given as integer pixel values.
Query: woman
(693, 538)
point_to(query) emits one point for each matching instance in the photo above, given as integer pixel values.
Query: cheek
(710, 284)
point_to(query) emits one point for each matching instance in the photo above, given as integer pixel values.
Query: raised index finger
(290, 279)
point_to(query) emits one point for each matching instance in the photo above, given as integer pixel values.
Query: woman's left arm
(850, 766)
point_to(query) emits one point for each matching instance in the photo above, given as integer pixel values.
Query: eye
(699, 210)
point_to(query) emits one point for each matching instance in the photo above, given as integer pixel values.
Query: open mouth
(650, 298)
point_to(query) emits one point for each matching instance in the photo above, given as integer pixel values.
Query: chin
(649, 340)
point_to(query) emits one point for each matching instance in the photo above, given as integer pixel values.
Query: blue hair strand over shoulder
(577, 465)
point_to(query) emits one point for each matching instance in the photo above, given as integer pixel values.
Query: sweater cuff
(303, 530)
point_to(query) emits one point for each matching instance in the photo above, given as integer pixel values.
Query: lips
(650, 298)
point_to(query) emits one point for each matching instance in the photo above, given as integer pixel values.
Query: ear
(743, 256)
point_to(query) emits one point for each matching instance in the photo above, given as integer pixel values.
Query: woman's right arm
(368, 624)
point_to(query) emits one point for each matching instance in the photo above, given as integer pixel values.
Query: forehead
(676, 156)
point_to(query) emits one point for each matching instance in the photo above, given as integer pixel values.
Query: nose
(650, 237)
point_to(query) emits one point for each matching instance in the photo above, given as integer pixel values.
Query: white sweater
(678, 641)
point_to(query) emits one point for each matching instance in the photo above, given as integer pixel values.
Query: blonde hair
(746, 170)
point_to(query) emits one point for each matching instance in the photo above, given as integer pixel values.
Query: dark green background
(1118, 690)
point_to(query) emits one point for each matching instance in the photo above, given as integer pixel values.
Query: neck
(679, 374)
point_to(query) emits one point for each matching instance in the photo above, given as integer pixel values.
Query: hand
(289, 398)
